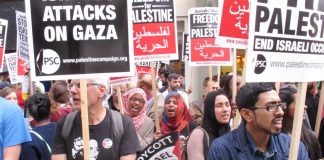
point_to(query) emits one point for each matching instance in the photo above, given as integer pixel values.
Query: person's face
(222, 109)
(136, 104)
(291, 109)
(170, 107)
(238, 83)
(267, 121)
(94, 91)
(213, 87)
(12, 97)
(162, 78)
(174, 84)
(123, 90)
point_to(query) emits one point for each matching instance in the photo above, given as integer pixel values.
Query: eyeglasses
(272, 107)
(78, 85)
(138, 100)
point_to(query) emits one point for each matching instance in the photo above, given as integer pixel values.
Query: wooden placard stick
(219, 68)
(120, 100)
(155, 100)
(298, 120)
(85, 119)
(237, 117)
(320, 110)
(210, 71)
(277, 87)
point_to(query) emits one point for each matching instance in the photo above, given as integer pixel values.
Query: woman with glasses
(215, 123)
(287, 95)
(135, 104)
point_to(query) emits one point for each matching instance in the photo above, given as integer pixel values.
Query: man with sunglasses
(111, 134)
(259, 135)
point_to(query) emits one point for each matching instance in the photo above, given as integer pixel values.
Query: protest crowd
(105, 79)
(204, 126)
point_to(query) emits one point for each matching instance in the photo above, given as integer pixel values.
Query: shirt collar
(271, 150)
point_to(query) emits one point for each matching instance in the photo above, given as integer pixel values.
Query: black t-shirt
(102, 141)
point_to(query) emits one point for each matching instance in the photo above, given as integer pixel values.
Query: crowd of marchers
(48, 124)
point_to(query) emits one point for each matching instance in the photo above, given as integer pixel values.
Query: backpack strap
(41, 138)
(68, 124)
(206, 142)
(118, 128)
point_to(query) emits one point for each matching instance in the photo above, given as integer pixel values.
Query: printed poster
(3, 36)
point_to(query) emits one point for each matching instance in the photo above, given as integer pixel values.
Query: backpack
(117, 126)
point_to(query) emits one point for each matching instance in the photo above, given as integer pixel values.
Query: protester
(163, 76)
(288, 95)
(111, 134)
(321, 136)
(61, 100)
(312, 101)
(197, 107)
(9, 94)
(135, 104)
(39, 107)
(176, 117)
(145, 83)
(113, 99)
(215, 124)
(259, 135)
(13, 130)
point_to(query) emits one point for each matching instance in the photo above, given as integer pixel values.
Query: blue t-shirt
(13, 128)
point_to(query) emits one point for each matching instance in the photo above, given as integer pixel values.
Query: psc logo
(48, 61)
(260, 64)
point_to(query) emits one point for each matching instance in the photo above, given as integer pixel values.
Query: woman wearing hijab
(135, 104)
(215, 123)
(176, 117)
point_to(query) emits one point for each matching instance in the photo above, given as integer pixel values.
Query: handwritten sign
(234, 24)
(3, 37)
(154, 25)
(11, 61)
(73, 40)
(203, 30)
(286, 40)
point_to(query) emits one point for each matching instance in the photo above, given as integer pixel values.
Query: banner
(234, 24)
(73, 40)
(286, 42)
(203, 26)
(165, 148)
(11, 61)
(155, 32)
(185, 47)
(3, 37)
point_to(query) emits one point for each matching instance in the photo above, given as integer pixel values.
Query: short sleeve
(59, 142)
(129, 144)
(15, 130)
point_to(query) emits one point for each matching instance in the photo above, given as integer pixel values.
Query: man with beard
(259, 135)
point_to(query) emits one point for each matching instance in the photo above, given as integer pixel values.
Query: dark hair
(249, 93)
(59, 92)
(173, 76)
(286, 95)
(39, 106)
(210, 123)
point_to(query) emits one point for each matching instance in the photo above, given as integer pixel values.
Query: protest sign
(11, 61)
(234, 24)
(165, 148)
(285, 40)
(22, 45)
(3, 36)
(22, 39)
(155, 32)
(144, 68)
(72, 40)
(185, 47)
(203, 26)
(113, 81)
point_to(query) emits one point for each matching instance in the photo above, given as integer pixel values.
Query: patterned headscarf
(137, 119)
(180, 121)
